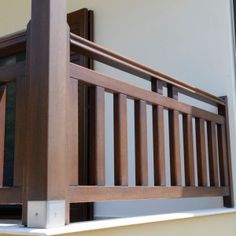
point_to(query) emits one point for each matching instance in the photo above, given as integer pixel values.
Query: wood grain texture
(113, 85)
(174, 141)
(188, 150)
(111, 58)
(13, 44)
(120, 140)
(97, 136)
(53, 119)
(47, 75)
(73, 132)
(159, 146)
(226, 154)
(224, 173)
(16, 43)
(97, 194)
(158, 138)
(83, 133)
(201, 152)
(141, 160)
(212, 154)
(81, 23)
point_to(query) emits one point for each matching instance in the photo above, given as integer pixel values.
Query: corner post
(225, 151)
(47, 73)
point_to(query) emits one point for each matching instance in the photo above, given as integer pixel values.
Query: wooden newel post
(45, 180)
(225, 163)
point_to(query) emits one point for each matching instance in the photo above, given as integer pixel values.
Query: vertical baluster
(174, 136)
(20, 129)
(72, 131)
(2, 129)
(158, 138)
(97, 135)
(83, 134)
(188, 150)
(212, 153)
(141, 143)
(224, 152)
(201, 152)
(120, 139)
(224, 179)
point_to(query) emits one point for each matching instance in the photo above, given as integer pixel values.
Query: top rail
(15, 43)
(113, 59)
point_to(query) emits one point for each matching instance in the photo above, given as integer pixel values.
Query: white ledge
(14, 229)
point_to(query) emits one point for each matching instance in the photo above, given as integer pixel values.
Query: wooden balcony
(49, 161)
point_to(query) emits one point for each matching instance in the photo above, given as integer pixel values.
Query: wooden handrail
(13, 43)
(16, 43)
(13, 38)
(111, 58)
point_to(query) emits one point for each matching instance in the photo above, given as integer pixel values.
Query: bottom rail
(101, 193)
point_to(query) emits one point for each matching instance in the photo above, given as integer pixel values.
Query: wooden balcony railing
(46, 164)
(216, 128)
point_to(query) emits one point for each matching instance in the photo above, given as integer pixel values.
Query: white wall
(188, 39)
